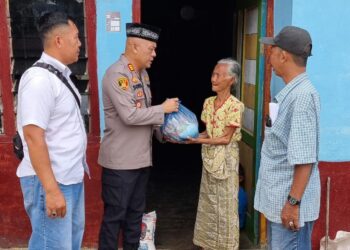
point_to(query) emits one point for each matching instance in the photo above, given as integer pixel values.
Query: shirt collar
(140, 74)
(126, 62)
(56, 63)
(290, 86)
(124, 59)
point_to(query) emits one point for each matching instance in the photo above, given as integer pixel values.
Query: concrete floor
(173, 194)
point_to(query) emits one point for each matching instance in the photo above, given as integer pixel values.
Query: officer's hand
(191, 140)
(171, 105)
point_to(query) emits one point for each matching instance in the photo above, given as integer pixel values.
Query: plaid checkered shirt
(292, 139)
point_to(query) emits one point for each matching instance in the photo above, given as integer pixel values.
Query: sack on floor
(340, 242)
(147, 231)
(178, 126)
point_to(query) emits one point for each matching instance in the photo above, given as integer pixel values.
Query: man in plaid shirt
(288, 187)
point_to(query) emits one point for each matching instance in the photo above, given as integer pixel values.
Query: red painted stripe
(136, 11)
(90, 9)
(5, 75)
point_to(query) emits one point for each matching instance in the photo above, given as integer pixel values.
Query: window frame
(9, 122)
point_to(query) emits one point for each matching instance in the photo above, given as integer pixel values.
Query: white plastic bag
(147, 231)
(340, 242)
(342, 238)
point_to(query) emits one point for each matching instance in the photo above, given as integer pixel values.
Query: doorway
(194, 36)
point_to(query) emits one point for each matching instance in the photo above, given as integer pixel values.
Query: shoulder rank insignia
(134, 79)
(123, 83)
(131, 67)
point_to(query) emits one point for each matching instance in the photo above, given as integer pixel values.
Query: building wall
(15, 227)
(104, 48)
(328, 68)
(327, 21)
(282, 17)
(110, 44)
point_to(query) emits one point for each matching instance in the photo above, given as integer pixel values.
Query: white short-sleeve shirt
(44, 101)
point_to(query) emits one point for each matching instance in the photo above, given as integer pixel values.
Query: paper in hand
(273, 107)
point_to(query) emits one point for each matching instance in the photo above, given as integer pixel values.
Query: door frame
(254, 139)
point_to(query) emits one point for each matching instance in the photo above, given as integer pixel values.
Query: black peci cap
(143, 31)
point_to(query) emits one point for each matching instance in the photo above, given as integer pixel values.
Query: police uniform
(129, 118)
(126, 148)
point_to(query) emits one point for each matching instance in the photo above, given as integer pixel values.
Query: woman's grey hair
(234, 69)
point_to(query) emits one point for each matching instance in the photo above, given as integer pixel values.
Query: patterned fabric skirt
(217, 221)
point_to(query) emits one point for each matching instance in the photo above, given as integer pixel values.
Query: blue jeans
(59, 233)
(281, 238)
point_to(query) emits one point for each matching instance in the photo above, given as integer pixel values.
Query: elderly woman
(217, 223)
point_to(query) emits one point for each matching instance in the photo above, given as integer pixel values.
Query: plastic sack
(178, 126)
(340, 242)
(148, 229)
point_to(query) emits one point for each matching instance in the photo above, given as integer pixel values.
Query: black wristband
(293, 201)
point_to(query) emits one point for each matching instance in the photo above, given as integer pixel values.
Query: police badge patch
(123, 83)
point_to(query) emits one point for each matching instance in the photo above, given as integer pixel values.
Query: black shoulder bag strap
(60, 76)
(17, 141)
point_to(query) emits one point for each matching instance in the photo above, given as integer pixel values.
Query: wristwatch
(292, 201)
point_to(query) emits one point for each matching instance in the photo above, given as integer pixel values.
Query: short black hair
(51, 20)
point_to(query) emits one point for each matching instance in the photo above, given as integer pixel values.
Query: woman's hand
(204, 134)
(198, 140)
(169, 139)
(191, 140)
(173, 141)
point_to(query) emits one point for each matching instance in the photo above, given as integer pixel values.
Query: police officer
(126, 149)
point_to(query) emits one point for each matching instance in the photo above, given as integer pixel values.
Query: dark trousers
(124, 197)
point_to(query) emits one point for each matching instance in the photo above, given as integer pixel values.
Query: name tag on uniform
(137, 86)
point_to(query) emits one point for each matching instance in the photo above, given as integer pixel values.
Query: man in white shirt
(54, 141)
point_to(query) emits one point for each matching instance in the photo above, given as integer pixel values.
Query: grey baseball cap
(292, 39)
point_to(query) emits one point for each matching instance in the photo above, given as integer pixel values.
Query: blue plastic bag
(178, 126)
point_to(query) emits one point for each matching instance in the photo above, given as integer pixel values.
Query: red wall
(14, 223)
(15, 226)
(339, 209)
